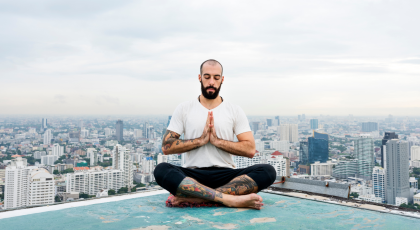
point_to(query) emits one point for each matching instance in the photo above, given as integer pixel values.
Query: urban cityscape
(58, 159)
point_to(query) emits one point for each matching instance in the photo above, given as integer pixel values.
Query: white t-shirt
(190, 118)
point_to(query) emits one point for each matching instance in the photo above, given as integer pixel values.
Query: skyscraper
(269, 122)
(146, 130)
(121, 160)
(120, 130)
(314, 123)
(47, 137)
(396, 167)
(293, 133)
(57, 150)
(388, 136)
(303, 153)
(81, 125)
(364, 152)
(44, 124)
(318, 148)
(369, 126)
(255, 126)
(283, 132)
(378, 178)
(276, 120)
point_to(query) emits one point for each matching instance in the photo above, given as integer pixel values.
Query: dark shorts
(170, 176)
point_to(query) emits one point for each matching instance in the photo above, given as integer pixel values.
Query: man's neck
(210, 103)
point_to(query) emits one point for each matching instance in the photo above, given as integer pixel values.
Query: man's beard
(211, 95)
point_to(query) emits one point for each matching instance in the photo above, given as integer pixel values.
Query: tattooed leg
(191, 187)
(240, 185)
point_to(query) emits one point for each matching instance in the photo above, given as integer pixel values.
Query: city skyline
(279, 58)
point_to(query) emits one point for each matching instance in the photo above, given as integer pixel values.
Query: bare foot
(246, 201)
(178, 200)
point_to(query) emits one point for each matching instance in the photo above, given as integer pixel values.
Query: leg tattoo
(240, 185)
(191, 187)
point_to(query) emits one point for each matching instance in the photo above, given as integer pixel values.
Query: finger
(208, 118)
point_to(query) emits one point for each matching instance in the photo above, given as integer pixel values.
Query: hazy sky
(142, 57)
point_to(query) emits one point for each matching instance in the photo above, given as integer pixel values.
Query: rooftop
(148, 211)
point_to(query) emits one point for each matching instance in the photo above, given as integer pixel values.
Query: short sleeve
(241, 122)
(177, 121)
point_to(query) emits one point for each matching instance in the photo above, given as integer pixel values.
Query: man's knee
(271, 172)
(161, 170)
(264, 174)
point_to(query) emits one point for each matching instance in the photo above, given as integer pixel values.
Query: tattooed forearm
(191, 187)
(241, 185)
(172, 144)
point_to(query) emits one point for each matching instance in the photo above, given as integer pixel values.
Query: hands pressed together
(209, 132)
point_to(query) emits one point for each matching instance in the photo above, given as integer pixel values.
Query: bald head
(211, 62)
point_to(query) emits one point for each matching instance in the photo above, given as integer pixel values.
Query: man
(209, 125)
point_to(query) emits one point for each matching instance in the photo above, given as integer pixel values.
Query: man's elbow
(251, 153)
(165, 151)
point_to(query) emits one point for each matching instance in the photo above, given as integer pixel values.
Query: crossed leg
(239, 192)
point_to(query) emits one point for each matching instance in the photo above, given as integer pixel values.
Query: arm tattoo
(169, 138)
(240, 185)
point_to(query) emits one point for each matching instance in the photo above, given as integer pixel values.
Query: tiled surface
(280, 212)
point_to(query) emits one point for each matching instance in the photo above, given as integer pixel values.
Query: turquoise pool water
(280, 212)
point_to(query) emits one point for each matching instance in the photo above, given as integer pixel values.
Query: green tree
(56, 172)
(133, 189)
(83, 195)
(111, 192)
(123, 190)
(67, 171)
(354, 195)
(57, 198)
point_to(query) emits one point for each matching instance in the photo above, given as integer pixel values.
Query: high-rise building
(120, 130)
(396, 167)
(107, 132)
(121, 160)
(304, 153)
(81, 125)
(138, 133)
(74, 137)
(378, 178)
(369, 126)
(269, 122)
(93, 180)
(388, 136)
(255, 127)
(318, 148)
(345, 169)
(293, 133)
(148, 165)
(47, 137)
(162, 158)
(322, 169)
(44, 124)
(48, 159)
(84, 133)
(276, 120)
(27, 185)
(57, 150)
(364, 152)
(283, 132)
(415, 153)
(282, 146)
(92, 153)
(314, 123)
(146, 130)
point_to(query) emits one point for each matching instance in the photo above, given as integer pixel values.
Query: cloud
(144, 57)
(59, 99)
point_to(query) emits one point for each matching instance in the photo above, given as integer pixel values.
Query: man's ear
(199, 77)
(223, 79)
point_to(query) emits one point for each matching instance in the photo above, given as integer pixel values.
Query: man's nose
(212, 81)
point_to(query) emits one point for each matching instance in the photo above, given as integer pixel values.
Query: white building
(378, 179)
(57, 150)
(415, 153)
(413, 183)
(400, 200)
(283, 132)
(148, 165)
(84, 133)
(94, 180)
(121, 160)
(280, 164)
(416, 199)
(415, 164)
(162, 158)
(47, 137)
(370, 198)
(39, 154)
(244, 162)
(48, 159)
(281, 146)
(108, 132)
(322, 169)
(138, 133)
(293, 133)
(27, 185)
(92, 153)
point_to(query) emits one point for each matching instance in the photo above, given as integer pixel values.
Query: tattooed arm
(245, 146)
(171, 143)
